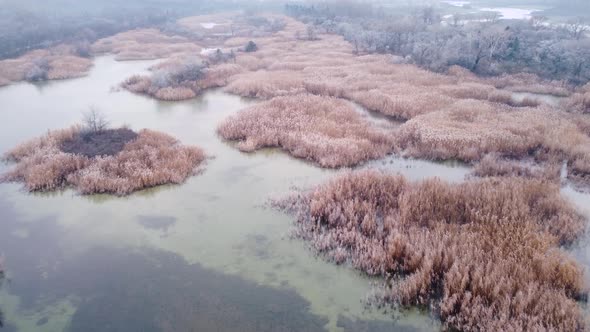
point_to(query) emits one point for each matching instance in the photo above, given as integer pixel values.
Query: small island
(93, 159)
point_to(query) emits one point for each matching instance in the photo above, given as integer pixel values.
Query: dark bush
(251, 47)
(99, 143)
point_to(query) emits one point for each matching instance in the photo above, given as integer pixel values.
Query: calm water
(201, 256)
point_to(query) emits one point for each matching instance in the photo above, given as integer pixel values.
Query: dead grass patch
(493, 165)
(55, 63)
(325, 130)
(148, 160)
(483, 255)
(145, 44)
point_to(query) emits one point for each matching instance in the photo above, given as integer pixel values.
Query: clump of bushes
(115, 161)
(39, 70)
(177, 81)
(180, 79)
(251, 47)
(59, 62)
(325, 130)
(483, 255)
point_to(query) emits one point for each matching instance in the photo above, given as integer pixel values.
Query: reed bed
(324, 130)
(177, 80)
(150, 159)
(456, 115)
(482, 255)
(60, 62)
(145, 44)
(493, 165)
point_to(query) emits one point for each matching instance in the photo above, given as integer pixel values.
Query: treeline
(484, 44)
(26, 25)
(25, 30)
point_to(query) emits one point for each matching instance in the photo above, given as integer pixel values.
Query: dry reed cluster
(163, 86)
(325, 130)
(493, 165)
(60, 62)
(145, 44)
(469, 130)
(483, 255)
(579, 101)
(449, 116)
(151, 159)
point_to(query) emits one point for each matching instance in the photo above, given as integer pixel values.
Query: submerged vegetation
(115, 161)
(483, 255)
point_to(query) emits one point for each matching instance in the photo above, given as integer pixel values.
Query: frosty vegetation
(483, 255)
(482, 43)
(114, 161)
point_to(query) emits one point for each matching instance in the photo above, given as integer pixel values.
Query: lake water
(205, 255)
(508, 13)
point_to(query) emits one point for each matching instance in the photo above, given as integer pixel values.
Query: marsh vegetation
(95, 159)
(344, 88)
(446, 246)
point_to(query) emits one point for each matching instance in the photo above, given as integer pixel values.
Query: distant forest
(27, 24)
(484, 44)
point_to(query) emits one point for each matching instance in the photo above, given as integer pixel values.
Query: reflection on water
(173, 257)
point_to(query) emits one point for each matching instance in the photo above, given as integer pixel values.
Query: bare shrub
(483, 255)
(38, 71)
(95, 121)
(322, 129)
(177, 80)
(94, 166)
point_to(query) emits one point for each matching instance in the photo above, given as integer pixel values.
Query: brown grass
(471, 129)
(451, 116)
(175, 90)
(484, 255)
(579, 101)
(493, 165)
(149, 160)
(145, 44)
(325, 130)
(62, 61)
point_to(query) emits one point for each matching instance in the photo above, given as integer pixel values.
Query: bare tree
(95, 121)
(538, 21)
(491, 17)
(577, 28)
(311, 34)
